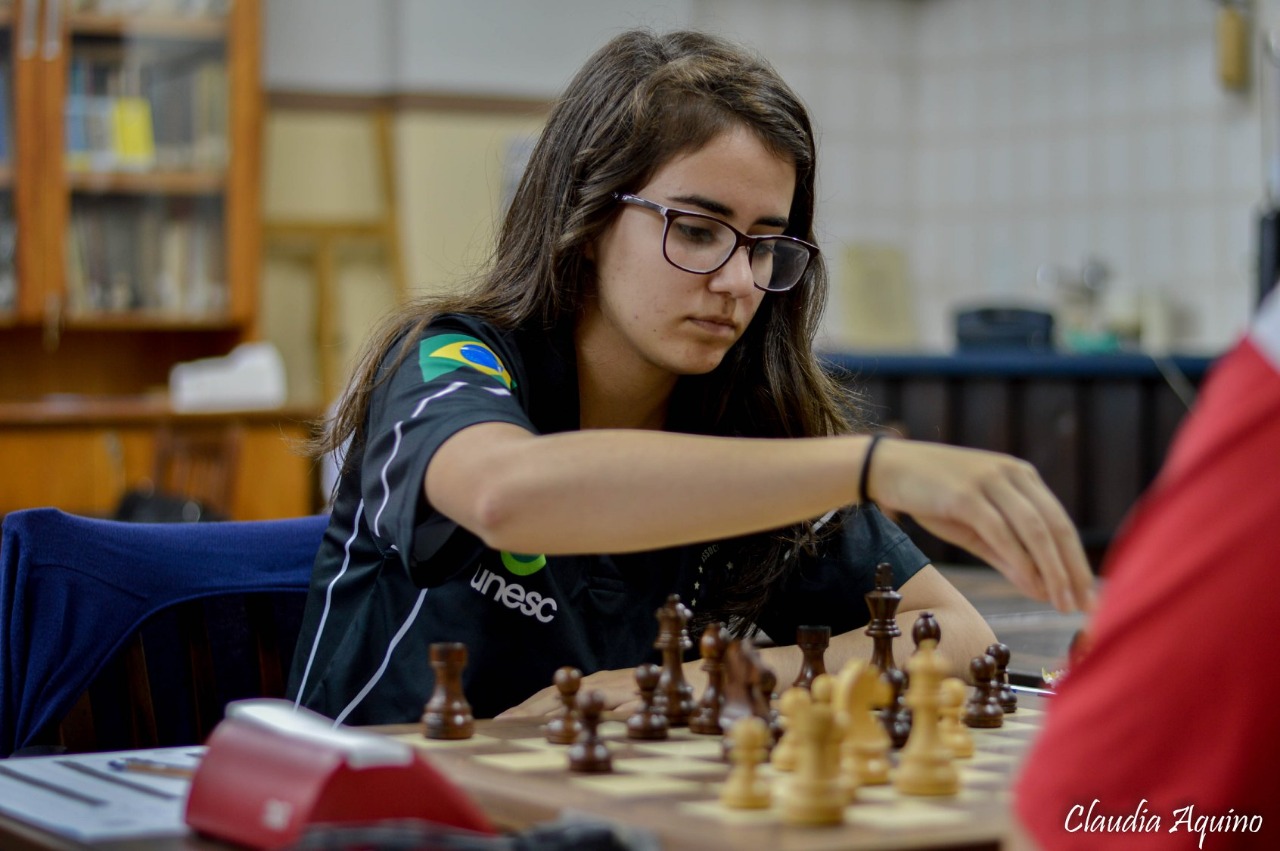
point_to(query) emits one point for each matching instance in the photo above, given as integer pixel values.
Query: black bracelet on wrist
(863, 497)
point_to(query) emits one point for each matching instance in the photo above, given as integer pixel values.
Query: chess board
(670, 788)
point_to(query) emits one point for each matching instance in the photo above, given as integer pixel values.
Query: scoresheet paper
(94, 797)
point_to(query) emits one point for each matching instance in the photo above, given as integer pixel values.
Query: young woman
(627, 405)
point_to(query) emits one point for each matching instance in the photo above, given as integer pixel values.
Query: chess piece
(927, 766)
(1005, 694)
(743, 686)
(745, 789)
(785, 753)
(926, 627)
(706, 717)
(896, 715)
(675, 695)
(883, 602)
(983, 709)
(812, 795)
(590, 755)
(864, 751)
(813, 642)
(647, 722)
(764, 708)
(955, 734)
(447, 714)
(565, 727)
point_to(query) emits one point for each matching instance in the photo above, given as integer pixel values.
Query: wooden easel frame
(320, 242)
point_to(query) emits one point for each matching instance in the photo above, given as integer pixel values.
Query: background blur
(973, 152)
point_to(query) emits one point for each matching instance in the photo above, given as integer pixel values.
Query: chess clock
(273, 772)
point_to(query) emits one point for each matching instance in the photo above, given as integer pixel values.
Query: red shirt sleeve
(1169, 726)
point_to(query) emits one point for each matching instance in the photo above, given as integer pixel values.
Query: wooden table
(668, 791)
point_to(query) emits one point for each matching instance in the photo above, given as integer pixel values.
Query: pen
(150, 766)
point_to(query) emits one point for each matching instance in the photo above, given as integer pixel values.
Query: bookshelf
(129, 190)
(130, 240)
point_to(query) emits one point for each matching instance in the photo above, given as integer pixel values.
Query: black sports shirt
(393, 576)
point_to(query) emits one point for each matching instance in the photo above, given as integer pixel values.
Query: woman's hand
(993, 505)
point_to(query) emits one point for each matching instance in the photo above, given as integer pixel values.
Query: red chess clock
(271, 772)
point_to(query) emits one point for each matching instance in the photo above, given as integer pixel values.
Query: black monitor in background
(1004, 328)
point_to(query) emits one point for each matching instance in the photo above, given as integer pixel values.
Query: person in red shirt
(1164, 731)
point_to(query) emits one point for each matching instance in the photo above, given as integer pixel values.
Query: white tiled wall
(988, 137)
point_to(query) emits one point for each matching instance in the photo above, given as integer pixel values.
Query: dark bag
(145, 505)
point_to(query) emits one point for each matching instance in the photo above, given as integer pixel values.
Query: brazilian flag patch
(441, 355)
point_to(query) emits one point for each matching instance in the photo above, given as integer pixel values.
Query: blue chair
(119, 635)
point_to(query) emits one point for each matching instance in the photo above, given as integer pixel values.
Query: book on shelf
(182, 8)
(133, 142)
(6, 107)
(125, 255)
(145, 109)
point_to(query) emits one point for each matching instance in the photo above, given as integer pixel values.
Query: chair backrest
(117, 635)
(199, 462)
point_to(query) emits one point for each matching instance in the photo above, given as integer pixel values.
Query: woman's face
(650, 315)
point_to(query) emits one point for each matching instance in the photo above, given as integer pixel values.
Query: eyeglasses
(702, 244)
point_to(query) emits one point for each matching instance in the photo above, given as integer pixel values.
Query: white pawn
(927, 766)
(744, 789)
(954, 733)
(784, 754)
(813, 795)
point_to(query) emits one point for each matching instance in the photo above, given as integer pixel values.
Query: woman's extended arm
(607, 490)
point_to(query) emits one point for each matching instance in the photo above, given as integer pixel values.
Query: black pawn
(447, 714)
(895, 716)
(565, 727)
(813, 642)
(706, 717)
(590, 755)
(927, 627)
(983, 708)
(647, 722)
(1005, 694)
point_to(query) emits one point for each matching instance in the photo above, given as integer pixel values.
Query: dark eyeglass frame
(670, 213)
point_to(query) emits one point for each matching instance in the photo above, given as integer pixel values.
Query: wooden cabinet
(130, 240)
(1096, 427)
(134, 134)
(81, 455)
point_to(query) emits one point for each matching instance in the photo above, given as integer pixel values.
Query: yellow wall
(321, 165)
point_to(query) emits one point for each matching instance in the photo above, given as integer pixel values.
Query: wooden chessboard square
(882, 793)
(973, 776)
(612, 730)
(536, 744)
(668, 766)
(988, 759)
(536, 760)
(728, 815)
(420, 741)
(637, 784)
(903, 813)
(702, 747)
(686, 733)
(969, 794)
